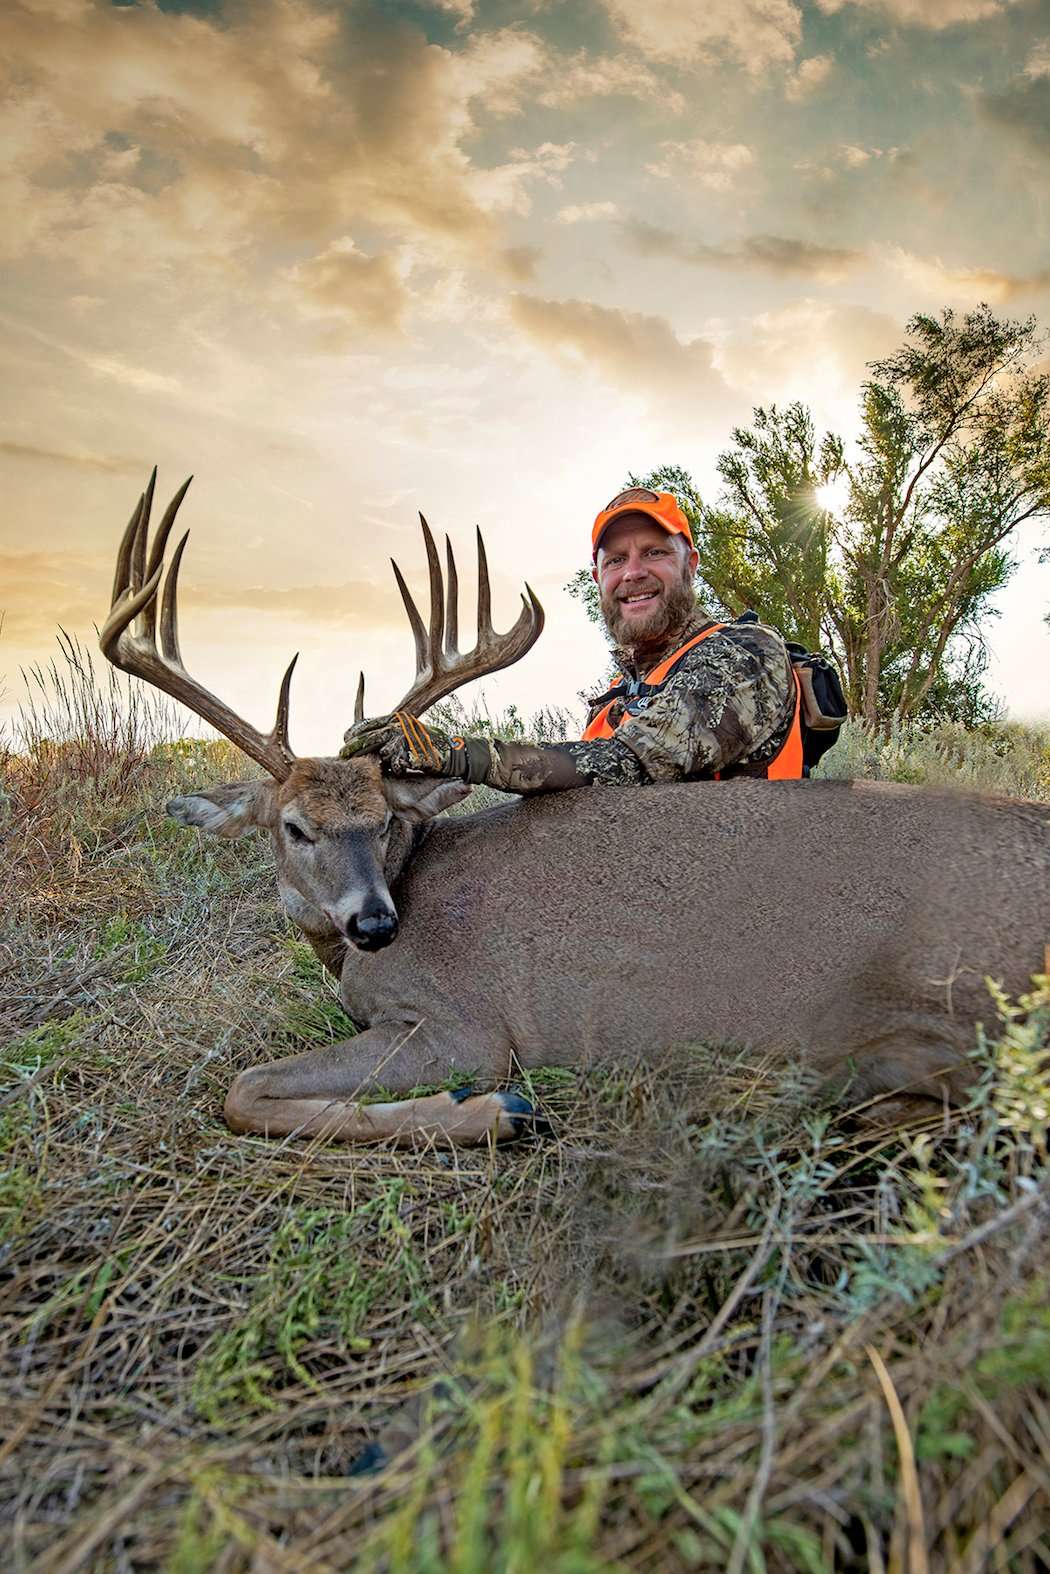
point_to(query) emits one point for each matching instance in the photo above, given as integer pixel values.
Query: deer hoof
(370, 1461)
(517, 1117)
(525, 1118)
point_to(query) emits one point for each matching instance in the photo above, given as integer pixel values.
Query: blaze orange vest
(786, 764)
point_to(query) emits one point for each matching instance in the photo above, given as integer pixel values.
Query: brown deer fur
(849, 925)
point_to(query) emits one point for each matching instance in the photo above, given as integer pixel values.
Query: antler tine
(419, 633)
(135, 592)
(440, 672)
(485, 629)
(138, 548)
(122, 576)
(359, 703)
(169, 612)
(437, 593)
(125, 609)
(279, 730)
(156, 556)
(451, 604)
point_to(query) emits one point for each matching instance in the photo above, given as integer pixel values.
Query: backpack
(823, 704)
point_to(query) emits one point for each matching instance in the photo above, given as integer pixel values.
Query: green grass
(318, 1285)
(312, 1010)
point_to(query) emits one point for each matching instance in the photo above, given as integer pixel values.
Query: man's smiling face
(645, 576)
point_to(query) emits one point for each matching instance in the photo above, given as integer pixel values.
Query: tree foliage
(953, 455)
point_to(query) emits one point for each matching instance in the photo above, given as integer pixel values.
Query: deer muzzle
(372, 929)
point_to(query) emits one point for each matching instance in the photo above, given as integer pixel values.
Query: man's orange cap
(661, 506)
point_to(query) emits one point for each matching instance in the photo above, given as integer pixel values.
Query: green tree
(953, 455)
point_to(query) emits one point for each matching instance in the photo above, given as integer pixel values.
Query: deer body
(849, 924)
(844, 922)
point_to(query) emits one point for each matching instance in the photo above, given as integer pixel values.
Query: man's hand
(403, 745)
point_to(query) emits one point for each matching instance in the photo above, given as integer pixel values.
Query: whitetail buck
(847, 924)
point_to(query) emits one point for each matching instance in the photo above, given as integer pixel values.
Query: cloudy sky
(345, 261)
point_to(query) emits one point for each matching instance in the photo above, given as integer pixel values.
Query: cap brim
(634, 508)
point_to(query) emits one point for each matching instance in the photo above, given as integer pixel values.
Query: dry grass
(705, 1326)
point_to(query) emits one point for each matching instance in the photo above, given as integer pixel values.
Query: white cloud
(568, 79)
(586, 212)
(713, 164)
(754, 34)
(462, 9)
(854, 157)
(808, 76)
(1038, 62)
(931, 14)
(849, 156)
(504, 188)
(497, 69)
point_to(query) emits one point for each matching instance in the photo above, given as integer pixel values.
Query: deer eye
(297, 834)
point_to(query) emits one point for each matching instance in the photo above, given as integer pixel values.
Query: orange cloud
(938, 280)
(348, 291)
(639, 352)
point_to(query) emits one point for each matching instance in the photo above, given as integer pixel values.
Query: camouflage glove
(405, 746)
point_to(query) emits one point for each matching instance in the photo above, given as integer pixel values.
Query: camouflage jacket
(727, 707)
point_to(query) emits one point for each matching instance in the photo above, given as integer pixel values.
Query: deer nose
(372, 931)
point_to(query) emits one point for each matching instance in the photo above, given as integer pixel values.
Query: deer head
(341, 832)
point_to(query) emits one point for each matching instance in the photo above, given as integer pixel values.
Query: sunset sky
(343, 262)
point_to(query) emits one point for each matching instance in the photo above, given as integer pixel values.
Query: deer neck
(402, 844)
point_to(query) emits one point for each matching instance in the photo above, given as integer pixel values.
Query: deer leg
(319, 1093)
(890, 1114)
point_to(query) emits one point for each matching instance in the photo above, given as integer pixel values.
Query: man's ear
(421, 797)
(229, 809)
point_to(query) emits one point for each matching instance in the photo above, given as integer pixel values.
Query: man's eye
(297, 834)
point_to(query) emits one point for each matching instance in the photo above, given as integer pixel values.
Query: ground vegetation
(707, 1324)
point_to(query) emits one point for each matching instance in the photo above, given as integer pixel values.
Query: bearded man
(692, 699)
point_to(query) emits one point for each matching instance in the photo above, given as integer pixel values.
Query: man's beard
(671, 612)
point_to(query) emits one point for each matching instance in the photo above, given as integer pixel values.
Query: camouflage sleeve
(729, 703)
(553, 767)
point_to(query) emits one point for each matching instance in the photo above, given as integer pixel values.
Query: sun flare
(834, 494)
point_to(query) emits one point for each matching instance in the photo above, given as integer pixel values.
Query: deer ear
(422, 797)
(230, 809)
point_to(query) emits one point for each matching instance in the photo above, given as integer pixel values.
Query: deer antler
(441, 667)
(135, 590)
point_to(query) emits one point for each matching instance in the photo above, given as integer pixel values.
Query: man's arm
(404, 743)
(732, 695)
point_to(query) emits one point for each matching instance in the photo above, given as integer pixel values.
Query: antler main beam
(441, 668)
(136, 587)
